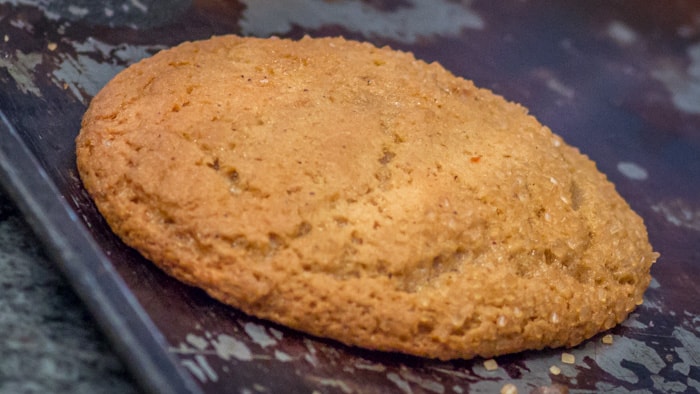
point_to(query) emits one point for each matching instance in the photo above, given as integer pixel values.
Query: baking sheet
(619, 80)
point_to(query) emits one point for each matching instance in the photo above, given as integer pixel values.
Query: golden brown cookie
(359, 194)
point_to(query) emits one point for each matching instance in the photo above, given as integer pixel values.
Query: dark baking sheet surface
(620, 80)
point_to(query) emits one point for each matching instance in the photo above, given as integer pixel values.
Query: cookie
(356, 193)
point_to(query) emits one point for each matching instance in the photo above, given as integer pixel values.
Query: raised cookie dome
(359, 194)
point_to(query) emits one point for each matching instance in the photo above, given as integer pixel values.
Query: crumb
(7, 38)
(554, 370)
(568, 358)
(490, 365)
(553, 389)
(509, 389)
(607, 339)
(52, 46)
(65, 86)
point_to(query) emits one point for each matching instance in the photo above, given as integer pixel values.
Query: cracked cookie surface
(359, 194)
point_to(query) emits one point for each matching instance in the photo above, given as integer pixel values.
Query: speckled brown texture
(359, 194)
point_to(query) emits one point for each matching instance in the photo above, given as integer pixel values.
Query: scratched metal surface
(620, 80)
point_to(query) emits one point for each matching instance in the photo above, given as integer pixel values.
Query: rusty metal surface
(620, 80)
